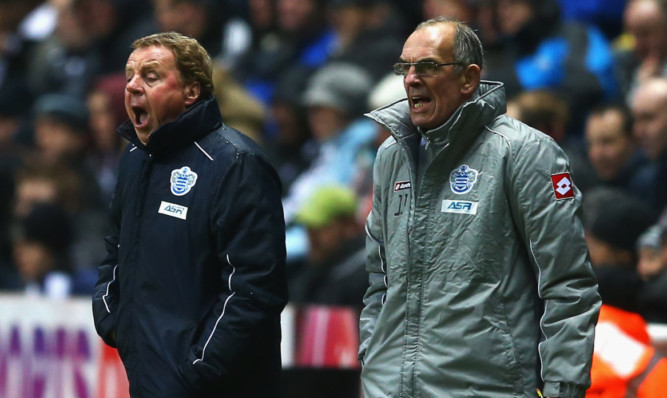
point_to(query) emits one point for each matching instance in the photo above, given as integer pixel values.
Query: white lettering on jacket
(173, 210)
(459, 206)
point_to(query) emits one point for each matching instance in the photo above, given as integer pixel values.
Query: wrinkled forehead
(158, 55)
(429, 43)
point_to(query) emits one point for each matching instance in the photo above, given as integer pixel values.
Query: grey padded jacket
(480, 282)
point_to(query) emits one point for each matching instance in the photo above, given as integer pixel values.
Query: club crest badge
(182, 180)
(462, 179)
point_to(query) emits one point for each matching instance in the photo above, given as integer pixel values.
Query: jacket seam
(224, 307)
(544, 314)
(104, 298)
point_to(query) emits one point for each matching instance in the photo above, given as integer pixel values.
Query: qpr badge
(182, 180)
(462, 179)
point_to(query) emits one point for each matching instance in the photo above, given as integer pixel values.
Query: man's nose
(412, 77)
(132, 85)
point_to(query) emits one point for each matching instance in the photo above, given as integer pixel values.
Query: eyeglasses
(422, 68)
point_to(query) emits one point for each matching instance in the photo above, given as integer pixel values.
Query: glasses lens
(401, 68)
(425, 68)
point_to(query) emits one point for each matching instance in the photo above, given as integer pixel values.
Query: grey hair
(467, 46)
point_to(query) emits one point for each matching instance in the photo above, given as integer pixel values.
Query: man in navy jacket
(194, 281)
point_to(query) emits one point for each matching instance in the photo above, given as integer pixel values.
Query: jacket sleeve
(249, 230)
(375, 266)
(105, 294)
(554, 237)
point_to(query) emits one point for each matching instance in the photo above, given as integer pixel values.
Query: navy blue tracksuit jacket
(194, 281)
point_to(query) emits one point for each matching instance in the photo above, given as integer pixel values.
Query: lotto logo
(401, 185)
(562, 184)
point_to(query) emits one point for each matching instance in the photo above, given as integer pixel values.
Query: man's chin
(422, 124)
(143, 135)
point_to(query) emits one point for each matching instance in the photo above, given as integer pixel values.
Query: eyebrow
(427, 59)
(150, 65)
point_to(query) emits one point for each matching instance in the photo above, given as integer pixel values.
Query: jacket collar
(487, 103)
(191, 125)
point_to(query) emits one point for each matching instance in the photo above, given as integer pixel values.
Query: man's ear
(191, 92)
(470, 79)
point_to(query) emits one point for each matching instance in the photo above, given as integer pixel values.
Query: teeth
(419, 105)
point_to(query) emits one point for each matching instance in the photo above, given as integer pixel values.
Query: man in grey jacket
(480, 282)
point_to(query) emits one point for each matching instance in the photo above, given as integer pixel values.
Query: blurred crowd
(297, 76)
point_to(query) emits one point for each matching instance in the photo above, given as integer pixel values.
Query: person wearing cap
(193, 284)
(61, 127)
(480, 283)
(334, 272)
(62, 138)
(335, 99)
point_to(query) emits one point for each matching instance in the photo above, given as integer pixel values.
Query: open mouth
(418, 102)
(140, 116)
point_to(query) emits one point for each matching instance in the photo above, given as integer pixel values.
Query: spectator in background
(42, 247)
(62, 136)
(368, 34)
(649, 248)
(463, 10)
(107, 111)
(112, 26)
(66, 61)
(624, 361)
(15, 42)
(548, 112)
(607, 15)
(540, 50)
(612, 148)
(613, 227)
(239, 109)
(262, 18)
(477, 14)
(646, 23)
(335, 100)
(289, 140)
(334, 272)
(650, 128)
(39, 182)
(15, 104)
(304, 39)
(265, 37)
(652, 267)
(223, 35)
(625, 364)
